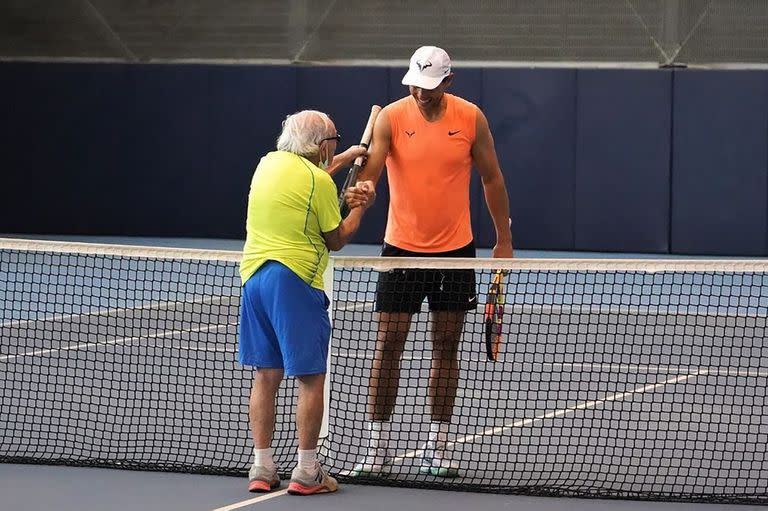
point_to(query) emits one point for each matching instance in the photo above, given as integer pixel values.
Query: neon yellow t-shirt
(291, 203)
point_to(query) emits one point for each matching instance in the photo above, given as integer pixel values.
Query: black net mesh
(123, 361)
(614, 378)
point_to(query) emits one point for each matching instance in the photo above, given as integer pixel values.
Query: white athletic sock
(438, 432)
(263, 458)
(307, 459)
(379, 432)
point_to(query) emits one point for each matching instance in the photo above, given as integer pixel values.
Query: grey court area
(35, 488)
(608, 398)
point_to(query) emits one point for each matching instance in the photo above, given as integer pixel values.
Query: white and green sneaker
(375, 463)
(437, 461)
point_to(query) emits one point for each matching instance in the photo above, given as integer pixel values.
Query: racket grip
(365, 141)
(489, 340)
(350, 181)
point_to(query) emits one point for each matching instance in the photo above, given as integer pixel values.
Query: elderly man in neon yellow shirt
(293, 221)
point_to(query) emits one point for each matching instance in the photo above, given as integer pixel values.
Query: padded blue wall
(720, 163)
(532, 116)
(614, 160)
(622, 162)
(247, 105)
(168, 164)
(64, 133)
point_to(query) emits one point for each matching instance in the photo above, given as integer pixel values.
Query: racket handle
(349, 181)
(365, 141)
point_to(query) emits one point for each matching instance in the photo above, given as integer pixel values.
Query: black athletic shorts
(404, 290)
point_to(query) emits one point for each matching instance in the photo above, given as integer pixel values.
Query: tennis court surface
(618, 379)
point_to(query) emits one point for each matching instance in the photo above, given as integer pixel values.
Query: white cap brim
(418, 80)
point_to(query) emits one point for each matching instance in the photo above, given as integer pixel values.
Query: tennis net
(615, 378)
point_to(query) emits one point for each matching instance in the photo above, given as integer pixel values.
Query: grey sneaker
(262, 479)
(311, 482)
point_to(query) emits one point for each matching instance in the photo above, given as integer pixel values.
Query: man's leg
(309, 477)
(261, 406)
(382, 388)
(447, 327)
(261, 411)
(385, 373)
(309, 411)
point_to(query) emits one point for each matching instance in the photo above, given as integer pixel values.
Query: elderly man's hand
(345, 158)
(362, 195)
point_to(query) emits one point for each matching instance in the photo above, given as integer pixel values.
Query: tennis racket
(358, 164)
(494, 315)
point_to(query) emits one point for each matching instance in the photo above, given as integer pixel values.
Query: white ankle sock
(307, 459)
(263, 458)
(438, 431)
(379, 432)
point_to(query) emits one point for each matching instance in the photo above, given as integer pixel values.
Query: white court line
(105, 312)
(207, 350)
(640, 369)
(550, 415)
(256, 500)
(167, 333)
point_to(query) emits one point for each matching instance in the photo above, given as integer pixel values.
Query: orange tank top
(429, 166)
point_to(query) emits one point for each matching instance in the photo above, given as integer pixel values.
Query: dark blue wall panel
(63, 148)
(720, 162)
(168, 178)
(248, 106)
(531, 113)
(622, 160)
(169, 150)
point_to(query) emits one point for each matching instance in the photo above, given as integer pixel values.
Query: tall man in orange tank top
(429, 141)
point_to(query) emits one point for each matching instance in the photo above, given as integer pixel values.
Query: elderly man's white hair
(303, 131)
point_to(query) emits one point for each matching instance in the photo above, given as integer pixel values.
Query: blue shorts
(283, 322)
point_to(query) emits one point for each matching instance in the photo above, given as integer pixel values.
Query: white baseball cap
(429, 65)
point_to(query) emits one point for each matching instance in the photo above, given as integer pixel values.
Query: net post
(328, 287)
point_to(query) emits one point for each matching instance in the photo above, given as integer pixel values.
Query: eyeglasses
(337, 138)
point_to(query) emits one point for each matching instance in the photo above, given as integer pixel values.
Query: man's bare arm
(484, 156)
(377, 154)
